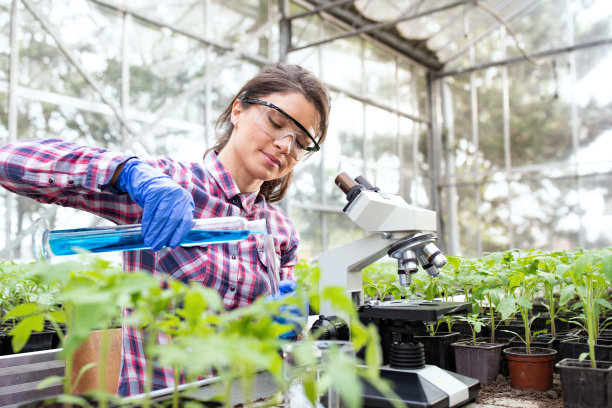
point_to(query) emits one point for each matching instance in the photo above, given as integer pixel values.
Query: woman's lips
(271, 160)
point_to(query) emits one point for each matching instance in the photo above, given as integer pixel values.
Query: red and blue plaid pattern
(58, 172)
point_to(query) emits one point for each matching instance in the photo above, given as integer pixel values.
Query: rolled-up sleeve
(54, 171)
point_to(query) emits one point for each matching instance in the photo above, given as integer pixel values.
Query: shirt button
(233, 256)
(70, 182)
(232, 288)
(51, 180)
(235, 200)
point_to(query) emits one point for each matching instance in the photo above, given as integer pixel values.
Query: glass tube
(47, 243)
(302, 359)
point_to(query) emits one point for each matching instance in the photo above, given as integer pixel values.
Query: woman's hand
(287, 288)
(167, 207)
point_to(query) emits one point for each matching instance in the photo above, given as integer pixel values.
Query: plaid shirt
(57, 172)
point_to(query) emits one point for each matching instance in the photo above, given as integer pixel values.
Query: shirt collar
(226, 183)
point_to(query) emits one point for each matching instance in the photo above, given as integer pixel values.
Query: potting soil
(499, 394)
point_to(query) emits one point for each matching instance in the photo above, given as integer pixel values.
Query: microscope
(408, 234)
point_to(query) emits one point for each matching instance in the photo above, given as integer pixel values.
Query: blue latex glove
(286, 288)
(168, 207)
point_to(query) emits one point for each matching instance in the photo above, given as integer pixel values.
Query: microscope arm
(342, 266)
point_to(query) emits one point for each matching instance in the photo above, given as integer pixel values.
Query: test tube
(273, 264)
(47, 243)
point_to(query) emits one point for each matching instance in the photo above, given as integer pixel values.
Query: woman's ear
(237, 110)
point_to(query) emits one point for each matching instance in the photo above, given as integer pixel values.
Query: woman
(277, 119)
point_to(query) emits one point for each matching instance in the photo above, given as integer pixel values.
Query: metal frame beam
(375, 30)
(508, 19)
(521, 58)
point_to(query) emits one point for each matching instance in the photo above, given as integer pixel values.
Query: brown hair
(279, 78)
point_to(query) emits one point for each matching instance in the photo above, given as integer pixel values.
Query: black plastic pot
(507, 331)
(537, 341)
(465, 328)
(556, 341)
(479, 361)
(55, 342)
(574, 347)
(504, 343)
(438, 349)
(541, 322)
(583, 386)
(38, 341)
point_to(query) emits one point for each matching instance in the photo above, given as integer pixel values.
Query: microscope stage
(412, 310)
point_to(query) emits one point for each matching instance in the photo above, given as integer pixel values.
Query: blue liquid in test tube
(129, 238)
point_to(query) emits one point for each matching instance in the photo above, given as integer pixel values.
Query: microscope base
(424, 387)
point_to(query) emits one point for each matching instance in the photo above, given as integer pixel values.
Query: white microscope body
(405, 233)
(392, 226)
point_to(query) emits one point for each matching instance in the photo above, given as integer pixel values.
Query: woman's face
(260, 155)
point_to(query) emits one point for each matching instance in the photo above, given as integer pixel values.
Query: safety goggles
(278, 124)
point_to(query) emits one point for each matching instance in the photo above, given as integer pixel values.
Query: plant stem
(68, 359)
(104, 346)
(175, 393)
(151, 341)
(590, 320)
(552, 311)
(492, 319)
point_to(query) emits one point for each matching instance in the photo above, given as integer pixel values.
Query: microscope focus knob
(330, 328)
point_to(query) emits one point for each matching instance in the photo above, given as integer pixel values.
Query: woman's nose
(285, 143)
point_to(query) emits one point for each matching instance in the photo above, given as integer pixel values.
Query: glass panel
(382, 160)
(467, 221)
(339, 56)
(484, 26)
(594, 101)
(490, 118)
(162, 67)
(592, 21)
(544, 214)
(5, 38)
(543, 27)
(495, 216)
(341, 230)
(414, 167)
(307, 58)
(184, 15)
(180, 140)
(406, 86)
(421, 187)
(596, 205)
(306, 186)
(409, 136)
(343, 146)
(226, 16)
(3, 117)
(308, 223)
(540, 99)
(464, 148)
(488, 49)
(304, 30)
(380, 75)
(228, 79)
(421, 89)
(92, 34)
(39, 119)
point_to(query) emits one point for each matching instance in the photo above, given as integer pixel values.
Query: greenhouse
(454, 153)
